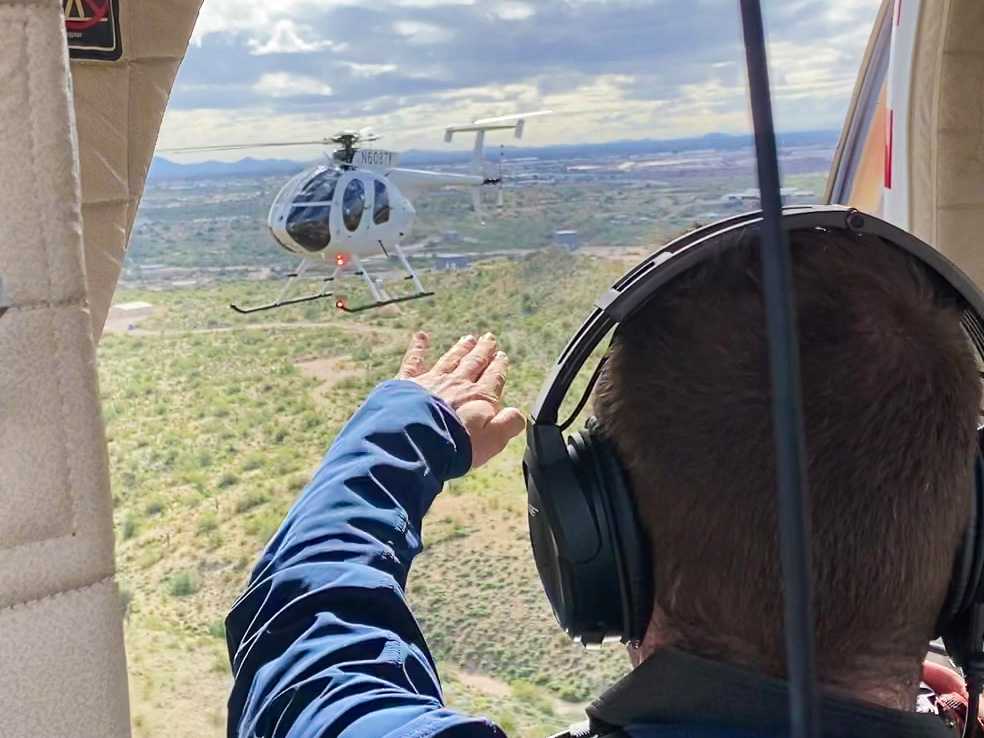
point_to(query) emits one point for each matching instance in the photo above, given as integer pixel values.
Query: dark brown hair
(891, 398)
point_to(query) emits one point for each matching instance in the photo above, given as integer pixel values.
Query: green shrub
(297, 482)
(220, 664)
(183, 584)
(207, 523)
(228, 479)
(149, 556)
(253, 462)
(506, 722)
(131, 524)
(217, 629)
(531, 695)
(126, 600)
(251, 500)
(264, 525)
(154, 506)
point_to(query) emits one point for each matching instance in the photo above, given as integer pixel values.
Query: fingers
(475, 361)
(493, 381)
(450, 361)
(491, 439)
(414, 361)
(508, 424)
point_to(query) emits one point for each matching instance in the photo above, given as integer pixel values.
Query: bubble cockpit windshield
(308, 222)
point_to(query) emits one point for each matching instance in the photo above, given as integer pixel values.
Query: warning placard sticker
(93, 29)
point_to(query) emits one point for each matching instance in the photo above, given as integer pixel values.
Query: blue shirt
(322, 641)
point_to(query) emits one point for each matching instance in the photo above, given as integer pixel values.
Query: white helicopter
(356, 204)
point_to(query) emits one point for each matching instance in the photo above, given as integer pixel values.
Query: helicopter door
(355, 213)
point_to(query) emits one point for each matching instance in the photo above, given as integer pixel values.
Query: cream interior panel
(120, 106)
(946, 151)
(66, 686)
(966, 28)
(923, 125)
(33, 276)
(53, 456)
(62, 664)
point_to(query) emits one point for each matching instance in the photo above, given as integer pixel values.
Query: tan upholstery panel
(66, 686)
(923, 125)
(52, 456)
(966, 27)
(119, 108)
(62, 665)
(961, 230)
(946, 149)
(35, 275)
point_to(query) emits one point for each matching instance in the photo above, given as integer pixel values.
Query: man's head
(891, 398)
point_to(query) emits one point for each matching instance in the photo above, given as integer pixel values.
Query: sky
(285, 70)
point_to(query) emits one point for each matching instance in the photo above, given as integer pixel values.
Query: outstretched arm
(322, 641)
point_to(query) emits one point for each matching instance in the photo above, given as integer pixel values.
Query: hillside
(215, 423)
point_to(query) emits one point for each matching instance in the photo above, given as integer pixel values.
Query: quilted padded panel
(32, 93)
(62, 665)
(37, 503)
(119, 107)
(55, 509)
(65, 685)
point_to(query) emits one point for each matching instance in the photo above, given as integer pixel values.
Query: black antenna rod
(787, 403)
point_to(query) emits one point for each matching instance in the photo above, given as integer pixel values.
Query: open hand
(470, 378)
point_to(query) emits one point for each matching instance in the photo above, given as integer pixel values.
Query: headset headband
(638, 286)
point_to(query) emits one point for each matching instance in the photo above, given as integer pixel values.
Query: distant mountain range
(165, 169)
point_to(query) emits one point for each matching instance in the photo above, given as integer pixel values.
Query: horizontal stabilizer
(516, 122)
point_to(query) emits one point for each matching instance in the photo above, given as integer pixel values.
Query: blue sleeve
(322, 641)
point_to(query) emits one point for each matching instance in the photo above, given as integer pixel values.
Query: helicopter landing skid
(343, 306)
(380, 298)
(282, 303)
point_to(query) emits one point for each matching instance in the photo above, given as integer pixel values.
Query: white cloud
(432, 3)
(281, 84)
(511, 10)
(418, 32)
(369, 70)
(229, 16)
(286, 37)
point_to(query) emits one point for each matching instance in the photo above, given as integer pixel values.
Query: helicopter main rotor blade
(506, 118)
(235, 147)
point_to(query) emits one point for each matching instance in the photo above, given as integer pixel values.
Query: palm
(470, 378)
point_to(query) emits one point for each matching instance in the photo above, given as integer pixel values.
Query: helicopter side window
(381, 204)
(320, 188)
(309, 227)
(353, 204)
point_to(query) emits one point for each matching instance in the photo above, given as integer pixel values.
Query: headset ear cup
(631, 550)
(967, 584)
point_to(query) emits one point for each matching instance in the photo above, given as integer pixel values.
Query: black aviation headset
(589, 548)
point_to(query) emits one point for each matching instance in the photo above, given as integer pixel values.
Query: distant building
(130, 310)
(452, 262)
(566, 239)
